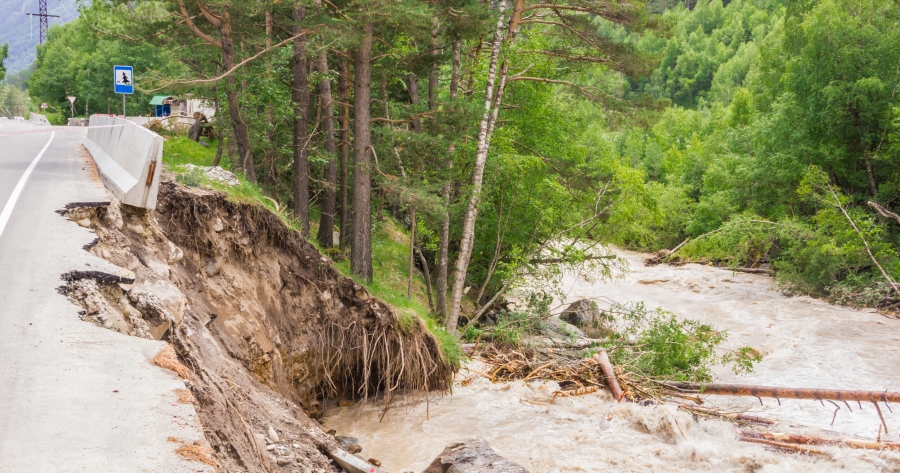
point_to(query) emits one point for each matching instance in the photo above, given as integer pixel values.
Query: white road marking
(11, 203)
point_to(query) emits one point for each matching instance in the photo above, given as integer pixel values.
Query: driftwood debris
(609, 373)
(735, 417)
(789, 447)
(814, 440)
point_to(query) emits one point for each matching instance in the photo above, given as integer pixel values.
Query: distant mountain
(22, 32)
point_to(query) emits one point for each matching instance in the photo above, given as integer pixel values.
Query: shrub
(656, 344)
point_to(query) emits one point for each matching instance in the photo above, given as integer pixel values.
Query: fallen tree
(786, 393)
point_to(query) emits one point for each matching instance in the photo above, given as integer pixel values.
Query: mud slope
(264, 324)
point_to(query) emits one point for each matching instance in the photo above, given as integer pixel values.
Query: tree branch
(236, 67)
(197, 31)
(213, 19)
(883, 211)
(573, 58)
(583, 89)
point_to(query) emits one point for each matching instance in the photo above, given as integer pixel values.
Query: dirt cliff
(265, 327)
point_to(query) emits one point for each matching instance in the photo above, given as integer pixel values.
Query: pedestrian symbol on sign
(123, 79)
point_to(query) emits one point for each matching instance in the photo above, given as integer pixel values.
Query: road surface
(74, 397)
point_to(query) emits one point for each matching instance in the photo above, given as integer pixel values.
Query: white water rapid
(804, 342)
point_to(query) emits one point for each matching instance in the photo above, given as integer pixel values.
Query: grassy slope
(390, 241)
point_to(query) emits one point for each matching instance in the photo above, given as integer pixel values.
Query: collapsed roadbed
(264, 329)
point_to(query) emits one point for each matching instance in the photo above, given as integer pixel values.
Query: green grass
(181, 150)
(390, 242)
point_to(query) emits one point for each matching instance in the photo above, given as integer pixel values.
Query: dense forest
(510, 135)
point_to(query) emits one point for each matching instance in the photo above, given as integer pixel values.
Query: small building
(169, 106)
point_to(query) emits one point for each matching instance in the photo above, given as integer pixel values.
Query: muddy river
(804, 343)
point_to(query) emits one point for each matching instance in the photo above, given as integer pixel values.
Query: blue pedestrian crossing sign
(124, 79)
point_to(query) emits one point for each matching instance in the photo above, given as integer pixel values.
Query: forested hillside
(781, 143)
(21, 32)
(758, 131)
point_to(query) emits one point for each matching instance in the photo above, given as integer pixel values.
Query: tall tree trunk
(344, 93)
(427, 277)
(361, 238)
(484, 136)
(433, 77)
(269, 159)
(442, 267)
(241, 135)
(220, 133)
(412, 84)
(326, 222)
(870, 175)
(412, 250)
(454, 71)
(300, 98)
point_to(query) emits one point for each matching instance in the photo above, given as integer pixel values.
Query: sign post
(72, 104)
(123, 79)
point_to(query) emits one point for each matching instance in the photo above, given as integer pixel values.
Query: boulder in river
(585, 315)
(472, 455)
(556, 328)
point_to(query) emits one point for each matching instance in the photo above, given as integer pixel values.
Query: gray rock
(273, 436)
(347, 442)
(472, 455)
(213, 266)
(580, 312)
(556, 327)
(585, 315)
(203, 143)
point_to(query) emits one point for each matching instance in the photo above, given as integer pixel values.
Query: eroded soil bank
(264, 326)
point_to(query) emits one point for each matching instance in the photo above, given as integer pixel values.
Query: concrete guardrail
(38, 119)
(78, 121)
(129, 158)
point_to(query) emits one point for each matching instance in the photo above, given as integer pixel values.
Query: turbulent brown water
(804, 342)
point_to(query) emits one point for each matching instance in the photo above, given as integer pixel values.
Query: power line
(44, 18)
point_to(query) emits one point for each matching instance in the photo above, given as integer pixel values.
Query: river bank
(804, 342)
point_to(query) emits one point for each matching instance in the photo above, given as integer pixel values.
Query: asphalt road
(74, 397)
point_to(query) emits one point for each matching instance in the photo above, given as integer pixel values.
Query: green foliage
(4, 53)
(659, 345)
(710, 50)
(509, 329)
(75, 60)
(746, 240)
(14, 102)
(762, 92)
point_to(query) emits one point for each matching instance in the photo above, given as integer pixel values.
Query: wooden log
(788, 393)
(727, 415)
(784, 446)
(756, 271)
(609, 373)
(813, 440)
